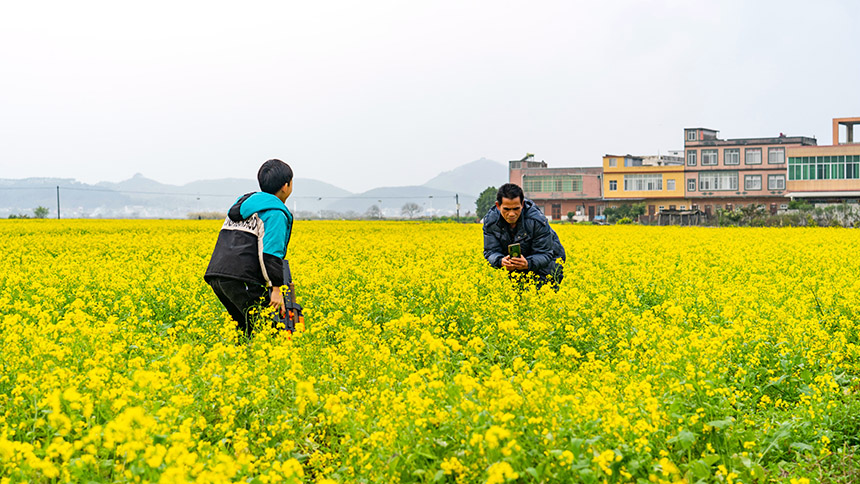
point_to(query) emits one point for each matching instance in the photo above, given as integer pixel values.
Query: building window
(691, 158)
(709, 157)
(752, 182)
(775, 156)
(613, 185)
(691, 135)
(776, 182)
(752, 156)
(613, 162)
(670, 185)
(834, 167)
(660, 208)
(643, 183)
(683, 207)
(732, 156)
(552, 183)
(718, 181)
(691, 185)
(729, 207)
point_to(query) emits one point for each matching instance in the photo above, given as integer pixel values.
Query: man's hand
(515, 263)
(277, 301)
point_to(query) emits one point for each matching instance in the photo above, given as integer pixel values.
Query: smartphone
(514, 251)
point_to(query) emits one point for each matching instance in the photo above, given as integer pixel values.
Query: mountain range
(141, 197)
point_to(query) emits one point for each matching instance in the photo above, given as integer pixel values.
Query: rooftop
(774, 140)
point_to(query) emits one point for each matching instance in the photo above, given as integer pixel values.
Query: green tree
(485, 201)
(628, 211)
(40, 212)
(799, 204)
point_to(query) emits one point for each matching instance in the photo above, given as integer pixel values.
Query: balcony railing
(579, 194)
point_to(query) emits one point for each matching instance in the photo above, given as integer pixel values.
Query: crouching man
(518, 238)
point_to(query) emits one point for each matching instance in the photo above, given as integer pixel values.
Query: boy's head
(273, 175)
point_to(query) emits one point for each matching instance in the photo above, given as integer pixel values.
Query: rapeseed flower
(666, 353)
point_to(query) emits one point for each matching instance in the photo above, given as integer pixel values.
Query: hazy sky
(372, 93)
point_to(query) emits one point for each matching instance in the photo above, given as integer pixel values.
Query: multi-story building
(656, 181)
(827, 174)
(559, 191)
(726, 174)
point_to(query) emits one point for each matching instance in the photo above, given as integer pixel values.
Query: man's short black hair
(273, 175)
(510, 191)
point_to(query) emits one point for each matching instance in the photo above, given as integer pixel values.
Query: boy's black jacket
(238, 253)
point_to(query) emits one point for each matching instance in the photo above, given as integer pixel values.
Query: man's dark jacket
(539, 243)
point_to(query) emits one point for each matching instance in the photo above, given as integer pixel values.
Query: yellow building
(656, 181)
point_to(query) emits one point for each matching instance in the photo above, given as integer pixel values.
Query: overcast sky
(373, 93)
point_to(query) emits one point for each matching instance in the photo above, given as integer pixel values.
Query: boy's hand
(277, 301)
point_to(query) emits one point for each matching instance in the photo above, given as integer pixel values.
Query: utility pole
(58, 202)
(457, 199)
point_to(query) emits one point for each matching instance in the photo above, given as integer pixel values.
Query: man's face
(510, 208)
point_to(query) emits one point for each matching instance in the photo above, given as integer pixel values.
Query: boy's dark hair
(273, 175)
(510, 191)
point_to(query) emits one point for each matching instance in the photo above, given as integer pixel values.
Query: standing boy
(247, 265)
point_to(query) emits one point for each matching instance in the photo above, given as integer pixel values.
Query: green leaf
(701, 469)
(532, 472)
(720, 424)
(440, 474)
(587, 475)
(757, 471)
(800, 446)
(684, 439)
(633, 466)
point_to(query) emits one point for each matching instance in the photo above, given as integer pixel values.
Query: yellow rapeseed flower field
(669, 355)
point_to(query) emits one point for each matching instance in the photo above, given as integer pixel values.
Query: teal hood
(276, 218)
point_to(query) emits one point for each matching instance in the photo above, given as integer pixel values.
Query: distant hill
(142, 197)
(216, 195)
(392, 199)
(138, 183)
(77, 199)
(311, 195)
(471, 178)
